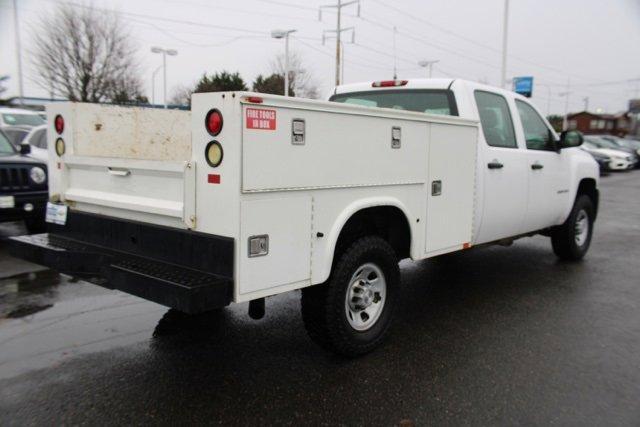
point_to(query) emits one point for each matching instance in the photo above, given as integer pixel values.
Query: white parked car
(19, 117)
(37, 139)
(620, 160)
(16, 134)
(250, 195)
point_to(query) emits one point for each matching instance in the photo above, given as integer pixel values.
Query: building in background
(594, 123)
(634, 118)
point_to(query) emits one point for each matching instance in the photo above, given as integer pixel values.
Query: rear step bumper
(189, 288)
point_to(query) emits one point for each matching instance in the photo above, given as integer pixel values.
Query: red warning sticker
(259, 118)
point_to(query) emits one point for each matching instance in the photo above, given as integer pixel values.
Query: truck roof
(411, 84)
(439, 83)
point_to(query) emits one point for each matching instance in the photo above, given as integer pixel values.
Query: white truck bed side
(292, 191)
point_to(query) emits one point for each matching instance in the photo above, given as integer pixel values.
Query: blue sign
(523, 86)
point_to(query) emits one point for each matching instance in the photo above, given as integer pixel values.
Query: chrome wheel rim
(581, 228)
(366, 296)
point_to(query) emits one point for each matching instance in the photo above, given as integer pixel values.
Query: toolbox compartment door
(450, 188)
(287, 265)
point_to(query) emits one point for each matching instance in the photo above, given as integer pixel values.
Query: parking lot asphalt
(500, 335)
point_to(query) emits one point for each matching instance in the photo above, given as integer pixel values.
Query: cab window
(536, 132)
(432, 101)
(495, 119)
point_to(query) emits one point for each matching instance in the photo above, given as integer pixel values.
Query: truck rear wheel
(571, 240)
(351, 313)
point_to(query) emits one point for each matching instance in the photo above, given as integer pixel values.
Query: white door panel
(504, 169)
(548, 174)
(505, 193)
(548, 189)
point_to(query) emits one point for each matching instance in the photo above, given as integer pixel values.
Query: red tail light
(389, 83)
(213, 122)
(58, 123)
(254, 99)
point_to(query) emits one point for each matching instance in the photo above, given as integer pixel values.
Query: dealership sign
(523, 86)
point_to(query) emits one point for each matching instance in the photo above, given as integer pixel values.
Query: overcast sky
(594, 43)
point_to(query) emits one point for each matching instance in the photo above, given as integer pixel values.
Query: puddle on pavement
(29, 293)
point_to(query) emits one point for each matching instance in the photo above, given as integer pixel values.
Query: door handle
(536, 166)
(119, 172)
(495, 165)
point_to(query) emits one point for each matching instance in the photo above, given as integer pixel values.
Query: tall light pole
(505, 33)
(153, 84)
(428, 65)
(18, 50)
(164, 52)
(284, 34)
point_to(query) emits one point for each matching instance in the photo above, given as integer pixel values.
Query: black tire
(35, 225)
(323, 306)
(563, 237)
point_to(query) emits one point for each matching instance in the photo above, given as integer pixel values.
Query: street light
(164, 52)
(429, 65)
(284, 34)
(505, 36)
(153, 84)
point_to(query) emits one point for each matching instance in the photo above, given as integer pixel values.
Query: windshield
(16, 135)
(22, 119)
(432, 101)
(5, 146)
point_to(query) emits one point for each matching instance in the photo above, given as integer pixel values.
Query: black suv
(23, 186)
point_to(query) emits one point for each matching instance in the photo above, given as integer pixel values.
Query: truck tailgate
(131, 163)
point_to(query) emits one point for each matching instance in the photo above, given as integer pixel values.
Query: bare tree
(303, 80)
(86, 55)
(181, 94)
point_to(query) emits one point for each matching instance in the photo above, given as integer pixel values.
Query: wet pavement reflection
(28, 293)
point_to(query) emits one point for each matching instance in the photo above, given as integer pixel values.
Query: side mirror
(25, 149)
(571, 138)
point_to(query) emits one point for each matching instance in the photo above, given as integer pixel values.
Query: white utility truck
(250, 195)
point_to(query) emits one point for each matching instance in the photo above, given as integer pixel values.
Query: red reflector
(254, 99)
(466, 245)
(213, 178)
(58, 123)
(389, 83)
(213, 122)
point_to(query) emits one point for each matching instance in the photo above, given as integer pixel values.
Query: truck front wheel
(351, 313)
(571, 240)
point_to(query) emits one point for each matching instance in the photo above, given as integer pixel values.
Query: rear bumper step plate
(182, 288)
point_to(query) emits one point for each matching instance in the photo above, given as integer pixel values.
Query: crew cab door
(503, 166)
(548, 173)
